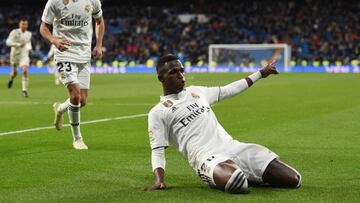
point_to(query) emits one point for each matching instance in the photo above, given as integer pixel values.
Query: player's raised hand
(269, 69)
(61, 45)
(156, 186)
(97, 52)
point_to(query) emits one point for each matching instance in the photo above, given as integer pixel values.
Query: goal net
(248, 56)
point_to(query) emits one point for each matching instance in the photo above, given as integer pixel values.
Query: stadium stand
(139, 32)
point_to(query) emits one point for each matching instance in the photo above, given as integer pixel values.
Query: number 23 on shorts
(64, 66)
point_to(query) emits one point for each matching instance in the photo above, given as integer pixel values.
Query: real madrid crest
(194, 95)
(152, 133)
(87, 8)
(168, 103)
(65, 2)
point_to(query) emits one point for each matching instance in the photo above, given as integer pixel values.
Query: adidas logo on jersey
(173, 109)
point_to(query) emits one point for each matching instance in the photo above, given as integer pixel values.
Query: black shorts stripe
(219, 94)
(160, 147)
(96, 13)
(74, 124)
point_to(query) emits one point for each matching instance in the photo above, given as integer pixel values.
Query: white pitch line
(24, 103)
(82, 123)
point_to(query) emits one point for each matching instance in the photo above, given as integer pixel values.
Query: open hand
(156, 186)
(269, 69)
(61, 45)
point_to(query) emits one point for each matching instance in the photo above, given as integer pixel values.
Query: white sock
(74, 118)
(64, 106)
(25, 83)
(56, 76)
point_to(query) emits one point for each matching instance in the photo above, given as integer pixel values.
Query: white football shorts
(252, 159)
(20, 61)
(74, 73)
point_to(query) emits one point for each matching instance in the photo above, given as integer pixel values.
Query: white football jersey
(186, 121)
(15, 40)
(72, 21)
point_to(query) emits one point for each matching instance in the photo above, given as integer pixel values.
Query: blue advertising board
(196, 69)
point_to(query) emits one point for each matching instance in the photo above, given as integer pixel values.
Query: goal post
(249, 56)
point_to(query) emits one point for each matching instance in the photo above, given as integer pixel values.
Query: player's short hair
(163, 60)
(23, 20)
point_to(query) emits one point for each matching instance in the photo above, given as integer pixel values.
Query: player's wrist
(52, 40)
(264, 73)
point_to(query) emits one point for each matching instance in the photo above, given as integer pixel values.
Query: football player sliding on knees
(184, 119)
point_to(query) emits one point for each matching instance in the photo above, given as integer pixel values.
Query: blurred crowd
(136, 32)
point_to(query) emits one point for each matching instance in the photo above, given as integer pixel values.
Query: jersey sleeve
(49, 13)
(212, 94)
(11, 42)
(97, 11)
(158, 133)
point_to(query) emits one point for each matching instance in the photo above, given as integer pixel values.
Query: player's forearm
(11, 43)
(46, 33)
(158, 163)
(239, 86)
(158, 158)
(99, 31)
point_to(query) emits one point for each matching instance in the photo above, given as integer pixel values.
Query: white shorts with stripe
(252, 159)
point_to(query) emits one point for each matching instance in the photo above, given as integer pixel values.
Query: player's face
(23, 25)
(174, 77)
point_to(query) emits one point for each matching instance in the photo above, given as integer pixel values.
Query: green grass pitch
(311, 120)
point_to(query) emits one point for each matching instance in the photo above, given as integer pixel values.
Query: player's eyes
(175, 71)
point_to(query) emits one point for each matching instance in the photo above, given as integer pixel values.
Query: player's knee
(295, 180)
(75, 99)
(237, 183)
(82, 102)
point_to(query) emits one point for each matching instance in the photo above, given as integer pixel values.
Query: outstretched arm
(239, 86)
(158, 164)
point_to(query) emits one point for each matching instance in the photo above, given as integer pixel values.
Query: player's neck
(169, 92)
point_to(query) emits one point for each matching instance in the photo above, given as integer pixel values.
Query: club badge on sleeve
(194, 95)
(168, 103)
(65, 2)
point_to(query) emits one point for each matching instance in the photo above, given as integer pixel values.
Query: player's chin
(182, 84)
(179, 87)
